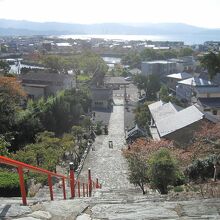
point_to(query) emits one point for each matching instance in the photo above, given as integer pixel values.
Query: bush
(9, 184)
(178, 189)
(162, 170)
(201, 169)
(180, 179)
(98, 128)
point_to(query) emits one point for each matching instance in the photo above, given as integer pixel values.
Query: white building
(158, 67)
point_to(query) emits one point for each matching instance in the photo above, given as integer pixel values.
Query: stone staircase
(109, 203)
(131, 204)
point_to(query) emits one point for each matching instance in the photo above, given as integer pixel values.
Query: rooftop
(195, 81)
(45, 76)
(182, 75)
(116, 80)
(101, 93)
(160, 110)
(158, 62)
(178, 120)
(208, 89)
(210, 102)
(169, 117)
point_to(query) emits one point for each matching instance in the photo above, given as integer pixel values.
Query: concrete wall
(104, 104)
(35, 92)
(160, 69)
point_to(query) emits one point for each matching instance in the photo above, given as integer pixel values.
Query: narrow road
(108, 164)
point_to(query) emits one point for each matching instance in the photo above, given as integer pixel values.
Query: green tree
(142, 115)
(153, 86)
(133, 59)
(46, 152)
(11, 95)
(4, 146)
(164, 93)
(56, 63)
(211, 62)
(163, 170)
(150, 84)
(185, 52)
(4, 66)
(138, 169)
(166, 97)
(149, 54)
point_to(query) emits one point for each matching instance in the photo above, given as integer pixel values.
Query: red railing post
(78, 188)
(90, 182)
(50, 186)
(21, 166)
(22, 185)
(64, 188)
(87, 186)
(83, 189)
(97, 183)
(72, 180)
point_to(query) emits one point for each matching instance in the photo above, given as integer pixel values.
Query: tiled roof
(101, 93)
(169, 117)
(45, 76)
(210, 102)
(195, 81)
(179, 120)
(182, 75)
(115, 80)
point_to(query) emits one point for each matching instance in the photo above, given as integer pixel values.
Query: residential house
(134, 133)
(186, 63)
(173, 79)
(215, 79)
(115, 82)
(185, 89)
(208, 99)
(160, 68)
(102, 98)
(38, 84)
(175, 123)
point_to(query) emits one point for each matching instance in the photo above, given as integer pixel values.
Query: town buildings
(38, 84)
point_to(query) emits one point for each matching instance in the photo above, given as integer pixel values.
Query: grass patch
(83, 77)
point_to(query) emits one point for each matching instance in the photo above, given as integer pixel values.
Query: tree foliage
(11, 95)
(5, 67)
(211, 62)
(166, 97)
(46, 152)
(162, 170)
(142, 115)
(150, 84)
(3, 146)
(138, 168)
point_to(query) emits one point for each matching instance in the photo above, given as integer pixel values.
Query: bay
(188, 39)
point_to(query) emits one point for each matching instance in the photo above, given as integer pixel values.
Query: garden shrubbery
(201, 169)
(9, 184)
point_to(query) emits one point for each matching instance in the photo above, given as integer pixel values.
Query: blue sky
(202, 13)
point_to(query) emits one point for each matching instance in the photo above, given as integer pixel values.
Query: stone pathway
(118, 199)
(108, 164)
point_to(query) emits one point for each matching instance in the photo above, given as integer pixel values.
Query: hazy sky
(203, 13)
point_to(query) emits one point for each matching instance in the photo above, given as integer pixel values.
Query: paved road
(109, 164)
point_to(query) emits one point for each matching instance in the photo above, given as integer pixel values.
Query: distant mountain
(14, 27)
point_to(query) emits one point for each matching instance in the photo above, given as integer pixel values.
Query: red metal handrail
(16, 163)
(21, 166)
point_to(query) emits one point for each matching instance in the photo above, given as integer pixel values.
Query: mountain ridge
(23, 27)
